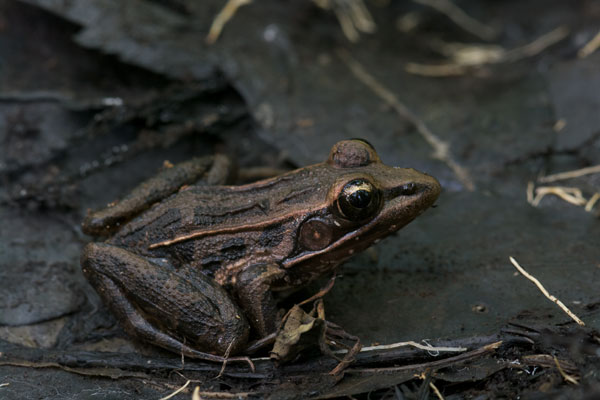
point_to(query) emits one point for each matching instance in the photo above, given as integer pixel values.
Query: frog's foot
(154, 303)
(301, 331)
(261, 343)
(335, 334)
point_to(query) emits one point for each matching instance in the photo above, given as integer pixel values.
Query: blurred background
(493, 98)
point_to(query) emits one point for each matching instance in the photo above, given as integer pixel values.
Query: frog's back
(225, 225)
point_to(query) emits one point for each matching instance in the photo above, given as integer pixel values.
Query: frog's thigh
(254, 291)
(159, 306)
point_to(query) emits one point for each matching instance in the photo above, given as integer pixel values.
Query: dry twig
(197, 395)
(488, 348)
(413, 344)
(545, 292)
(441, 149)
(220, 395)
(589, 47)
(225, 357)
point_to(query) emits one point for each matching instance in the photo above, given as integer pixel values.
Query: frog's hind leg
(210, 170)
(156, 305)
(136, 325)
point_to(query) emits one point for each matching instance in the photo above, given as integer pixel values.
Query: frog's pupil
(360, 198)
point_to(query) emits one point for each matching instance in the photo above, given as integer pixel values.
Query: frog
(199, 267)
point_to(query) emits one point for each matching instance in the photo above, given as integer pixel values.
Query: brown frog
(194, 269)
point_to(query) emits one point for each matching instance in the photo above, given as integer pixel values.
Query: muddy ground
(95, 95)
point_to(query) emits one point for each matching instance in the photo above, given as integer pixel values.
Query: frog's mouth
(399, 209)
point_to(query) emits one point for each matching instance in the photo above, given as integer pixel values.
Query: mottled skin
(187, 271)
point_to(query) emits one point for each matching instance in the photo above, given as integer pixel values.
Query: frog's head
(367, 200)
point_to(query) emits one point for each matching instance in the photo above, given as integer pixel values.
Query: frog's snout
(414, 186)
(431, 189)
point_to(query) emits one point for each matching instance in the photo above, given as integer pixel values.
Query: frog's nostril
(408, 189)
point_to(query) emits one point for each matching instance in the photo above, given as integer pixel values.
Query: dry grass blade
(222, 18)
(545, 292)
(529, 191)
(566, 377)
(538, 45)
(592, 202)
(570, 174)
(589, 47)
(196, 393)
(572, 195)
(569, 194)
(467, 57)
(436, 391)
(175, 393)
(361, 16)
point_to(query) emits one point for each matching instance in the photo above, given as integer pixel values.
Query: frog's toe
(96, 224)
(91, 257)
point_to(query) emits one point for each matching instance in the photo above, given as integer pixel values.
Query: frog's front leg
(211, 170)
(189, 314)
(253, 289)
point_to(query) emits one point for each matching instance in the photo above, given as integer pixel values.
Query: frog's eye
(358, 200)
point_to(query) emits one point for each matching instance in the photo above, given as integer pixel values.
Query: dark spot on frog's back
(169, 220)
(231, 250)
(234, 249)
(152, 229)
(271, 236)
(211, 265)
(202, 217)
(182, 253)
